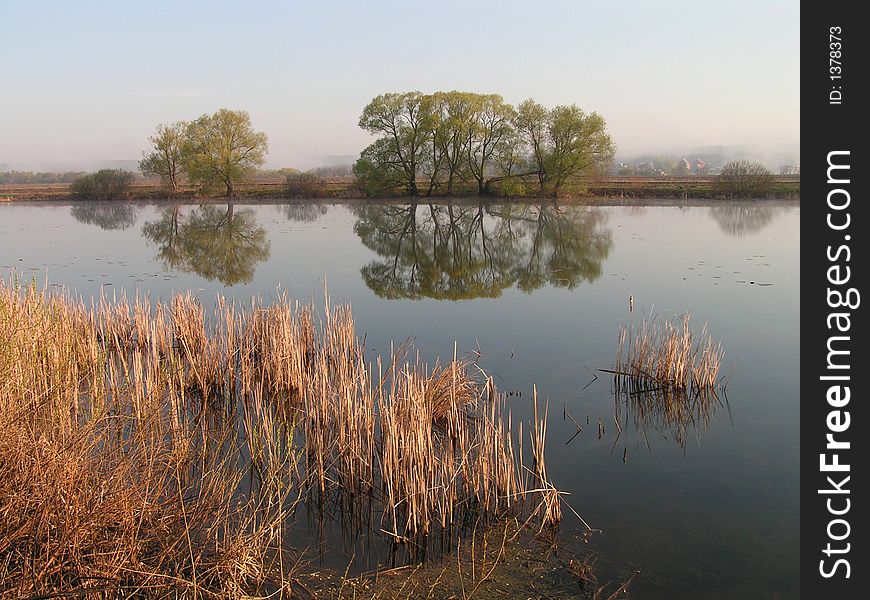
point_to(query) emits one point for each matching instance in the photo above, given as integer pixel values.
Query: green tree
(531, 125)
(454, 115)
(563, 143)
(578, 145)
(403, 122)
(166, 158)
(490, 132)
(223, 148)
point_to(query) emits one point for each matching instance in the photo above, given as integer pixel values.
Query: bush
(305, 185)
(744, 179)
(509, 187)
(105, 184)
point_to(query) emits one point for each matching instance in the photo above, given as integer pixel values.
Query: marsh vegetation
(149, 448)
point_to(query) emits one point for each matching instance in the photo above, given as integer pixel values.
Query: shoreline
(609, 189)
(435, 201)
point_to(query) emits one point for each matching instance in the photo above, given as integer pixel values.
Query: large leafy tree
(223, 148)
(166, 158)
(564, 142)
(531, 125)
(578, 144)
(453, 116)
(450, 137)
(402, 121)
(490, 130)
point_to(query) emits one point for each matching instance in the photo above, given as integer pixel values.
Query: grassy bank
(157, 449)
(344, 188)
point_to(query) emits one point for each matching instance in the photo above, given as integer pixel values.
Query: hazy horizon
(87, 82)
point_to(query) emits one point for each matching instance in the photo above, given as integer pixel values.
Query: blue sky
(87, 81)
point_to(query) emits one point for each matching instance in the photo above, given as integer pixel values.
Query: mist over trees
(428, 143)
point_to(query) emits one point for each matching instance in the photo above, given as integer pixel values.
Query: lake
(705, 507)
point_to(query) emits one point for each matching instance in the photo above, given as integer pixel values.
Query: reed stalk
(128, 431)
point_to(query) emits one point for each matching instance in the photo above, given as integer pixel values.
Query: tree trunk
(230, 190)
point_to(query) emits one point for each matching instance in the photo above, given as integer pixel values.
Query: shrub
(744, 179)
(105, 184)
(305, 185)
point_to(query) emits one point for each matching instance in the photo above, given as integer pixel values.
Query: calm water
(705, 511)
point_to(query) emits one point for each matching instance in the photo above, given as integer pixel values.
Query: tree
(223, 148)
(402, 120)
(563, 142)
(491, 138)
(166, 158)
(451, 137)
(744, 179)
(105, 184)
(531, 125)
(453, 116)
(578, 144)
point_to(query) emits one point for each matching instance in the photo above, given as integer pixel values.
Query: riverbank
(344, 188)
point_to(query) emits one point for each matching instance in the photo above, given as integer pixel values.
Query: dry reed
(666, 355)
(126, 431)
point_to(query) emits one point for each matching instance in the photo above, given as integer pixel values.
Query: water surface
(707, 509)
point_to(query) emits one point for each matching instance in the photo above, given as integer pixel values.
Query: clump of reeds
(666, 355)
(110, 480)
(127, 430)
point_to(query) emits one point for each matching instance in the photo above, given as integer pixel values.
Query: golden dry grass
(667, 355)
(128, 431)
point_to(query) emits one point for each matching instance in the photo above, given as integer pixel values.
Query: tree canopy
(223, 148)
(166, 158)
(448, 137)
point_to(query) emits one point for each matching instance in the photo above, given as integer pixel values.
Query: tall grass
(667, 377)
(667, 355)
(149, 448)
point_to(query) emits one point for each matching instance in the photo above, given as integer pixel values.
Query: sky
(88, 81)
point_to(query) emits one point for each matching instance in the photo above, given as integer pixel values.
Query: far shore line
(590, 201)
(604, 190)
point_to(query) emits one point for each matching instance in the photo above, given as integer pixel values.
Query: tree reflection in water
(741, 220)
(213, 242)
(304, 212)
(105, 215)
(459, 251)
